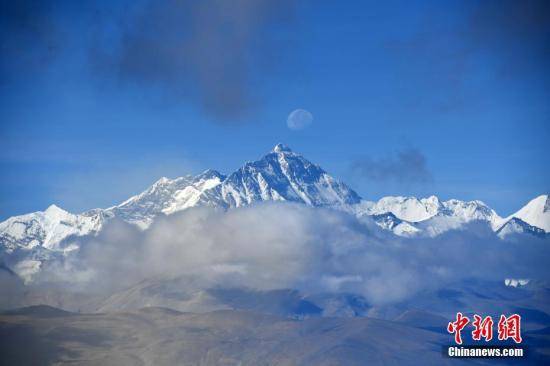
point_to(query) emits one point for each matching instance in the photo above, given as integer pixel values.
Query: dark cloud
(505, 22)
(405, 167)
(213, 52)
(443, 57)
(517, 31)
(29, 37)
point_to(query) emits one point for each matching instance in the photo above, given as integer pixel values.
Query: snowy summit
(280, 175)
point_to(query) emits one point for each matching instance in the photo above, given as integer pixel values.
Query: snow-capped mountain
(535, 213)
(280, 175)
(409, 209)
(167, 196)
(389, 221)
(428, 216)
(518, 226)
(46, 229)
(412, 209)
(533, 218)
(283, 175)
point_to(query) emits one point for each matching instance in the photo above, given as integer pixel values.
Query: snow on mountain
(202, 191)
(453, 214)
(535, 213)
(167, 196)
(533, 218)
(387, 220)
(46, 229)
(392, 223)
(467, 211)
(280, 175)
(428, 216)
(518, 226)
(283, 175)
(409, 209)
(412, 209)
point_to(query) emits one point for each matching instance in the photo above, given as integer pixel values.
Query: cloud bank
(272, 246)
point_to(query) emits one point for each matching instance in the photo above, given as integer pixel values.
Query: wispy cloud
(407, 166)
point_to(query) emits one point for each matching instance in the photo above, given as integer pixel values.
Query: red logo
(457, 326)
(483, 328)
(508, 327)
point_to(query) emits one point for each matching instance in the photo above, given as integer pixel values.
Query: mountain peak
(542, 201)
(53, 210)
(162, 180)
(284, 176)
(281, 148)
(209, 174)
(536, 212)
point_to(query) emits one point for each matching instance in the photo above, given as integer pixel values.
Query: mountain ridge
(280, 175)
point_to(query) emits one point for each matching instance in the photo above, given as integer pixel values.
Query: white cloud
(271, 245)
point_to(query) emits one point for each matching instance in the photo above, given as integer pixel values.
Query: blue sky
(409, 98)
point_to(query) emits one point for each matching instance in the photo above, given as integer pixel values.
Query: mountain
(409, 209)
(278, 327)
(533, 219)
(535, 213)
(518, 226)
(280, 175)
(46, 229)
(413, 210)
(426, 216)
(389, 221)
(167, 196)
(160, 336)
(283, 175)
(179, 294)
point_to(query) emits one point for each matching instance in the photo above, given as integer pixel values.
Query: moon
(299, 119)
